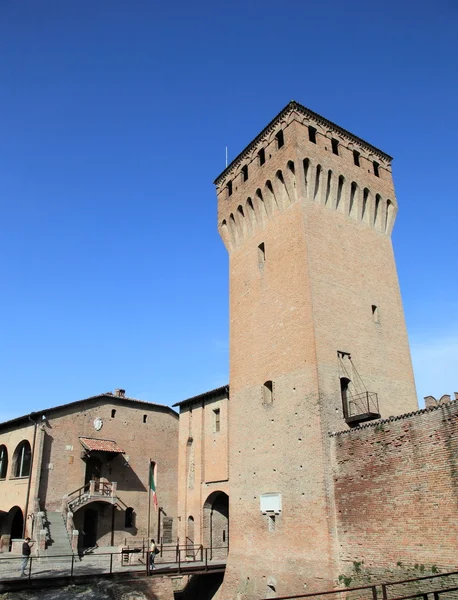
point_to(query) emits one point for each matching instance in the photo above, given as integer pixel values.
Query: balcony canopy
(94, 444)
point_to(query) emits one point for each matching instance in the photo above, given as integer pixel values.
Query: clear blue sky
(114, 120)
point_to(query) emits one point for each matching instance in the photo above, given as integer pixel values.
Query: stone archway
(216, 525)
(16, 523)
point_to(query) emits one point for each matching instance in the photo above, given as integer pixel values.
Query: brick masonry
(143, 430)
(308, 235)
(396, 491)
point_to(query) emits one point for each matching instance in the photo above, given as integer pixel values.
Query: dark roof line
(378, 422)
(220, 390)
(108, 395)
(293, 105)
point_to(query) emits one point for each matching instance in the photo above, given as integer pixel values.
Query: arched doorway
(216, 524)
(16, 520)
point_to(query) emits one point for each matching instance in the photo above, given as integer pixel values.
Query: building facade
(86, 467)
(317, 338)
(203, 473)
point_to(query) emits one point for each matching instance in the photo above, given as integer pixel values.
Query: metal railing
(365, 403)
(171, 559)
(382, 589)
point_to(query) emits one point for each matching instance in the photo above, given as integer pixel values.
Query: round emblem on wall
(98, 424)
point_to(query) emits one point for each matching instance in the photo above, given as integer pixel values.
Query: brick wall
(396, 491)
(144, 431)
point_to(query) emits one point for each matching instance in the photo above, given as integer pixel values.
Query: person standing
(152, 554)
(25, 555)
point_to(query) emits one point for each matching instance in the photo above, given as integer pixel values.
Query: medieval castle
(317, 455)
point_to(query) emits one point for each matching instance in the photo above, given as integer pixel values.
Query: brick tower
(318, 341)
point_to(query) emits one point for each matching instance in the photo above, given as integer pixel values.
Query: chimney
(120, 393)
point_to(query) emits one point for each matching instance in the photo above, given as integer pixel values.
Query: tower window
(113, 413)
(245, 173)
(261, 253)
(356, 156)
(335, 146)
(271, 523)
(375, 314)
(145, 417)
(262, 156)
(268, 392)
(217, 420)
(312, 134)
(376, 170)
(280, 139)
(344, 383)
(229, 188)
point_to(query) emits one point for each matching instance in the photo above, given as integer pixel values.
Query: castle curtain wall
(396, 491)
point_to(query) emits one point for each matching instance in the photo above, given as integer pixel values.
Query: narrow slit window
(113, 413)
(312, 134)
(271, 523)
(376, 169)
(145, 418)
(280, 139)
(375, 314)
(245, 173)
(262, 156)
(268, 392)
(356, 156)
(216, 420)
(261, 253)
(335, 146)
(229, 188)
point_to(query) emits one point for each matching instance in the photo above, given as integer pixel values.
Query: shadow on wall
(45, 463)
(201, 587)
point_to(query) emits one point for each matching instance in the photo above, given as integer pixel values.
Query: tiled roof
(108, 396)
(100, 445)
(224, 389)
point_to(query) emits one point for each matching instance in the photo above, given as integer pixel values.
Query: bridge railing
(73, 565)
(427, 587)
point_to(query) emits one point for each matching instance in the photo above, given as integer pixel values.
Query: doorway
(216, 524)
(93, 471)
(90, 528)
(17, 523)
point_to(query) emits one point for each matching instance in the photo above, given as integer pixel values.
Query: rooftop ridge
(420, 411)
(209, 394)
(108, 395)
(295, 106)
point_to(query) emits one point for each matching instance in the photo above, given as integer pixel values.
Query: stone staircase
(58, 544)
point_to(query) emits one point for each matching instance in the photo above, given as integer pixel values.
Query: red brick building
(85, 467)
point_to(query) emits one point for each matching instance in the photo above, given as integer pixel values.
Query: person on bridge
(25, 555)
(152, 554)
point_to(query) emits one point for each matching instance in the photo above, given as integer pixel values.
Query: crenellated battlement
(301, 156)
(319, 127)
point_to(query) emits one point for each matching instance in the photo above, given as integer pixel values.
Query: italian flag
(152, 484)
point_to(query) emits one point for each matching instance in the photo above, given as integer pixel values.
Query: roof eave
(293, 105)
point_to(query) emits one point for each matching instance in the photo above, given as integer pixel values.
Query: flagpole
(149, 500)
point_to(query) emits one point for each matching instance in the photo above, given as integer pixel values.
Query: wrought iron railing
(364, 404)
